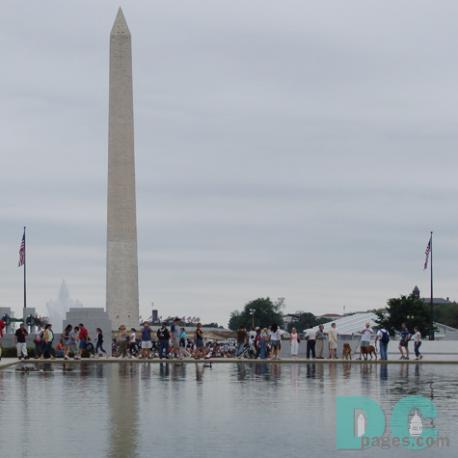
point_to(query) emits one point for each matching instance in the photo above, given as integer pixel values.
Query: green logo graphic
(361, 423)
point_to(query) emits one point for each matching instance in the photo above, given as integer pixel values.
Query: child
(404, 342)
(60, 352)
(133, 343)
(2, 327)
(99, 350)
(38, 341)
(417, 343)
(183, 342)
(67, 340)
(75, 342)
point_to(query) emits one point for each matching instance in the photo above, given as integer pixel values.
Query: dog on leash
(368, 351)
(346, 351)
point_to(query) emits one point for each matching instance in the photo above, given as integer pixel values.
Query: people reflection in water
(384, 371)
(200, 368)
(295, 374)
(262, 369)
(178, 371)
(241, 372)
(332, 372)
(366, 369)
(346, 370)
(404, 370)
(163, 369)
(276, 371)
(310, 370)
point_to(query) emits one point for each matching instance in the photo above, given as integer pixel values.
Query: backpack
(385, 337)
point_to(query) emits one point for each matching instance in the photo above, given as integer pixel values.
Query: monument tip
(120, 24)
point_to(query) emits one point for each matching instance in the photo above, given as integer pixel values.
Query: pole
(25, 278)
(431, 298)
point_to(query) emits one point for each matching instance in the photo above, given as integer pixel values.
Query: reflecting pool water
(192, 410)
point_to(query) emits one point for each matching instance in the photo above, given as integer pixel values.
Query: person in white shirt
(333, 339)
(417, 343)
(310, 337)
(275, 341)
(320, 336)
(366, 335)
(294, 339)
(133, 343)
(251, 337)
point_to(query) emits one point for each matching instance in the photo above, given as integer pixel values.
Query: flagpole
(25, 278)
(431, 298)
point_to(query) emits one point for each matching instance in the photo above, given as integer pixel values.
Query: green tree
(410, 310)
(262, 311)
(306, 320)
(447, 314)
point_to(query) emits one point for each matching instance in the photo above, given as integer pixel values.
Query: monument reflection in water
(168, 410)
(123, 397)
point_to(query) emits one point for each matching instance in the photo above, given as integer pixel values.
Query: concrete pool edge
(11, 361)
(7, 362)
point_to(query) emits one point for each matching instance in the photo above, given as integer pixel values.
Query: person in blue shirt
(383, 337)
(147, 343)
(183, 343)
(404, 342)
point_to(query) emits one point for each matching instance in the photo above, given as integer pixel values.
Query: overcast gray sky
(295, 149)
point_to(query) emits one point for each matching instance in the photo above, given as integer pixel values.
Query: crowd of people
(381, 338)
(165, 343)
(264, 343)
(174, 342)
(74, 342)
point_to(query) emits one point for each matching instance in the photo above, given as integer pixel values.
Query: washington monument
(122, 263)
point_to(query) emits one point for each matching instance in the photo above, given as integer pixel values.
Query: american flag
(427, 251)
(22, 252)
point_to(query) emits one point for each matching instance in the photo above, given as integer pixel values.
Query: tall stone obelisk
(122, 263)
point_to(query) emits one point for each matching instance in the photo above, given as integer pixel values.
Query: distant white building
(331, 316)
(350, 324)
(290, 318)
(444, 332)
(58, 308)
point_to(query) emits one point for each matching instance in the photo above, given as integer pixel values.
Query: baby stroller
(90, 349)
(248, 352)
(134, 348)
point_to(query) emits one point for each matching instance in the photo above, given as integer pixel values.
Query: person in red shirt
(83, 338)
(2, 327)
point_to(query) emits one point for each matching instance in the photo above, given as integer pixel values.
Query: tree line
(263, 312)
(409, 309)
